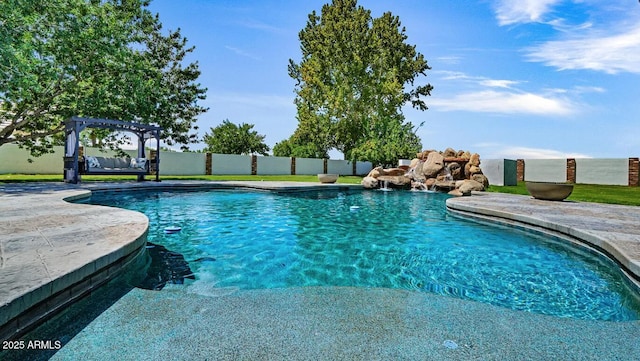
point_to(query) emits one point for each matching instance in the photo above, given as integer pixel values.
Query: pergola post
(71, 171)
(141, 142)
(157, 135)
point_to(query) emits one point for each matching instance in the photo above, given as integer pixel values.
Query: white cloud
(257, 25)
(498, 83)
(478, 80)
(491, 101)
(241, 52)
(589, 89)
(522, 11)
(612, 53)
(449, 59)
(500, 96)
(452, 75)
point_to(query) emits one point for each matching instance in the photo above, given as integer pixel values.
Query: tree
(398, 142)
(228, 138)
(355, 75)
(105, 59)
(289, 148)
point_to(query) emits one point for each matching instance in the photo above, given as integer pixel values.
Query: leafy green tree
(289, 148)
(355, 75)
(282, 149)
(398, 141)
(106, 59)
(228, 138)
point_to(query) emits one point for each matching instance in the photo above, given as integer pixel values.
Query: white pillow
(140, 163)
(93, 161)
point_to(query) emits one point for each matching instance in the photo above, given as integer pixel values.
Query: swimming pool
(260, 240)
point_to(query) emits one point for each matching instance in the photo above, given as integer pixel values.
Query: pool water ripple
(404, 240)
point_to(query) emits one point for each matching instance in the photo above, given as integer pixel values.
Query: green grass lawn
(581, 192)
(587, 193)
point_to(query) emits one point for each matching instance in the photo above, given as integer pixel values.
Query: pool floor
(338, 323)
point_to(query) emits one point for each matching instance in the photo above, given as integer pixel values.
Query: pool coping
(47, 260)
(53, 252)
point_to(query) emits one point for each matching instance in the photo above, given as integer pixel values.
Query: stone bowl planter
(549, 191)
(327, 178)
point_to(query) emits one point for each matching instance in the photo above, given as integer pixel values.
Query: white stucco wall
(363, 168)
(16, 160)
(341, 167)
(230, 164)
(545, 170)
(309, 166)
(602, 171)
(273, 165)
(177, 163)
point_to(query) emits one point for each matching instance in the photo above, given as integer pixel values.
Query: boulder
(456, 192)
(470, 170)
(481, 178)
(424, 154)
(418, 171)
(396, 180)
(430, 182)
(369, 182)
(433, 165)
(455, 169)
(450, 153)
(444, 184)
(375, 172)
(469, 186)
(474, 159)
(474, 169)
(393, 172)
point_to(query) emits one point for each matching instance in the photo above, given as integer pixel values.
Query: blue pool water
(407, 240)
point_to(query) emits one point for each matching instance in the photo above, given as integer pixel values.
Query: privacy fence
(613, 171)
(15, 160)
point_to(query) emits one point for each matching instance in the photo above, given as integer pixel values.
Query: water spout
(385, 186)
(447, 174)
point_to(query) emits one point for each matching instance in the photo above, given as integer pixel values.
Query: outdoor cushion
(139, 163)
(121, 163)
(105, 162)
(92, 162)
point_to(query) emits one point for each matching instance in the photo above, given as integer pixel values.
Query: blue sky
(512, 78)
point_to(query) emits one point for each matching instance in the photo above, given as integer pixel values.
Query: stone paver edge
(20, 314)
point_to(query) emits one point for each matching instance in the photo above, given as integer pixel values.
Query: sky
(512, 78)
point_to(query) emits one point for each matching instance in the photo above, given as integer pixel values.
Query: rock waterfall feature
(457, 173)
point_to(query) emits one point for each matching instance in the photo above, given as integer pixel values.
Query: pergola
(74, 125)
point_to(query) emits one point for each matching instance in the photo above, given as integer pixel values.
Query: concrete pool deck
(49, 246)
